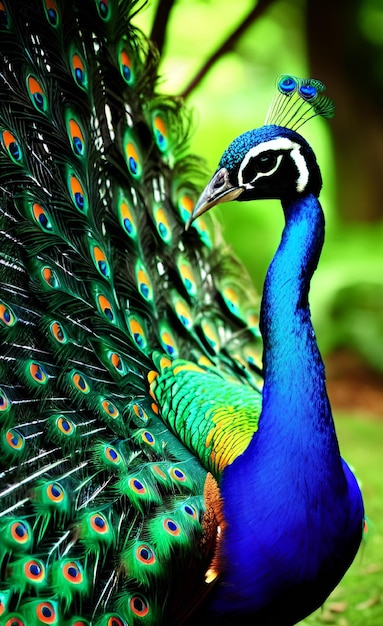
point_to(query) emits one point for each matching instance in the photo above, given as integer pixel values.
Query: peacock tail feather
(126, 342)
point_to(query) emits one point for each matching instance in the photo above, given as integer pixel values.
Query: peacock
(155, 469)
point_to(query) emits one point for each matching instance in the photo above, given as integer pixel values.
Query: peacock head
(273, 161)
(269, 162)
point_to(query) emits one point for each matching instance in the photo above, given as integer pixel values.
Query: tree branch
(160, 23)
(228, 45)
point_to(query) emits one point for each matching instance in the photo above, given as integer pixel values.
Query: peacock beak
(218, 190)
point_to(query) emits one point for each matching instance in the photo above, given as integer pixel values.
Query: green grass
(358, 600)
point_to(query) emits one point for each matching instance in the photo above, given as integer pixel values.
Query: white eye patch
(279, 144)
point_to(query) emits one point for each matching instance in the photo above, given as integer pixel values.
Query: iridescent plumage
(130, 359)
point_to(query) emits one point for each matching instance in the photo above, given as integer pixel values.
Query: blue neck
(289, 499)
(294, 395)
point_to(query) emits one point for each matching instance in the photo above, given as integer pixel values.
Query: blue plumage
(290, 490)
(303, 503)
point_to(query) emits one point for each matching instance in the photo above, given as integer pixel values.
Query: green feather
(69, 579)
(26, 573)
(16, 536)
(96, 531)
(141, 563)
(106, 307)
(41, 612)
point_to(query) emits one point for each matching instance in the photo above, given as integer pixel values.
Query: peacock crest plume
(155, 469)
(297, 101)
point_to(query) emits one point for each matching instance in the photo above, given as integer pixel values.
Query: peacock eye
(260, 164)
(219, 180)
(266, 162)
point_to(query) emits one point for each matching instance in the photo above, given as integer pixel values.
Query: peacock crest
(297, 101)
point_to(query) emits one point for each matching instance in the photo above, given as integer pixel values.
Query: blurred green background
(335, 42)
(341, 43)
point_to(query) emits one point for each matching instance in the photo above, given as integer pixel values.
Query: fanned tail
(100, 500)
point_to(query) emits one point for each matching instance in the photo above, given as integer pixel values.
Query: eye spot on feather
(104, 9)
(80, 382)
(15, 439)
(65, 426)
(12, 146)
(177, 475)
(160, 133)
(112, 455)
(36, 94)
(148, 438)
(171, 527)
(72, 572)
(100, 261)
(77, 194)
(13, 621)
(77, 137)
(287, 84)
(137, 333)
(46, 613)
(211, 334)
(41, 217)
(137, 486)
(110, 409)
(143, 282)
(21, 532)
(78, 70)
(139, 606)
(307, 92)
(187, 277)
(126, 66)
(51, 12)
(185, 206)
(190, 511)
(105, 307)
(202, 229)
(7, 316)
(50, 277)
(99, 523)
(58, 332)
(168, 341)
(159, 473)
(4, 401)
(38, 373)
(145, 554)
(114, 620)
(133, 160)
(183, 313)
(125, 213)
(34, 570)
(140, 413)
(117, 362)
(162, 224)
(55, 493)
(4, 25)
